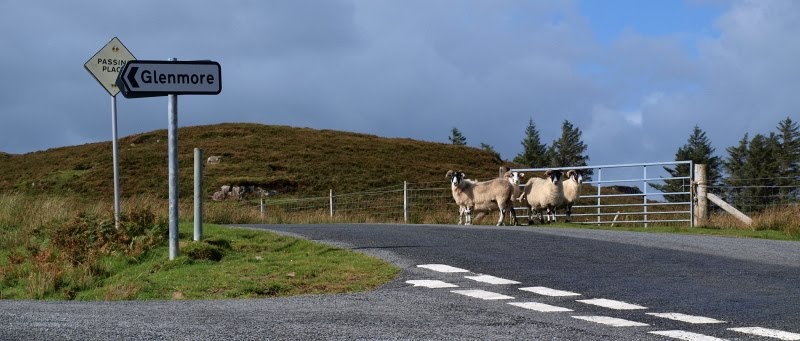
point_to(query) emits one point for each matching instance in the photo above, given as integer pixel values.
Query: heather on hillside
(291, 161)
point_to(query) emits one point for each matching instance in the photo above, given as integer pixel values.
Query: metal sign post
(105, 66)
(150, 78)
(172, 138)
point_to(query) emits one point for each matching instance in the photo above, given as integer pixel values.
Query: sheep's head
(514, 177)
(455, 177)
(575, 175)
(553, 175)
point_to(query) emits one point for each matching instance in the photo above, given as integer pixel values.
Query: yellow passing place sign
(106, 64)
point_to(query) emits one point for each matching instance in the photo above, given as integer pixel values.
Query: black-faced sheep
(457, 185)
(482, 197)
(572, 191)
(543, 195)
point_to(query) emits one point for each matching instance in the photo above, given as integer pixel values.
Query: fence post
(261, 206)
(331, 202)
(198, 196)
(644, 176)
(405, 202)
(599, 185)
(701, 210)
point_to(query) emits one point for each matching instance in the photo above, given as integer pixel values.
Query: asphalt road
(737, 283)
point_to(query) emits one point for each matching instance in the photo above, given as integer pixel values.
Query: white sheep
(513, 179)
(482, 197)
(572, 191)
(543, 194)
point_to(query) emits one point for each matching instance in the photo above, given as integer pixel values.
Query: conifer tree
(735, 167)
(534, 153)
(569, 150)
(788, 158)
(697, 149)
(761, 171)
(457, 138)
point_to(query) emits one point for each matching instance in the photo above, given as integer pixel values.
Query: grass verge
(710, 231)
(240, 263)
(62, 249)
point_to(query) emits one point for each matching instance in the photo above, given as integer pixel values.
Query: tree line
(759, 171)
(568, 150)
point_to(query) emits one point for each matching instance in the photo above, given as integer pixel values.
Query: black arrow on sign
(132, 77)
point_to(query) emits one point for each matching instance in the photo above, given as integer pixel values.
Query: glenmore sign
(149, 78)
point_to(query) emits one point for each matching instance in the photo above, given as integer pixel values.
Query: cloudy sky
(634, 76)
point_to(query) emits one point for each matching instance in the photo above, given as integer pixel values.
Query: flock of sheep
(539, 195)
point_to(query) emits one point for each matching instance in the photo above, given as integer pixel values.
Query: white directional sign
(147, 78)
(106, 64)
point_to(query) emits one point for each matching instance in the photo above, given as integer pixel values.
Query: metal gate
(622, 194)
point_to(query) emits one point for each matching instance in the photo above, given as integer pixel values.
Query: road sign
(107, 63)
(148, 78)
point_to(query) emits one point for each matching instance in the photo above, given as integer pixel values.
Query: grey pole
(405, 202)
(198, 194)
(116, 158)
(172, 108)
(331, 202)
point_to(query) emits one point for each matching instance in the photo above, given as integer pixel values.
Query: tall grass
(54, 247)
(785, 219)
(62, 248)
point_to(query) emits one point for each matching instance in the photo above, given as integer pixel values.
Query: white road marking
(491, 279)
(540, 307)
(686, 318)
(611, 321)
(433, 284)
(441, 268)
(777, 334)
(549, 292)
(483, 294)
(687, 336)
(611, 304)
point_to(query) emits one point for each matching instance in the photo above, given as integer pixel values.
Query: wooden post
(730, 209)
(701, 208)
(405, 202)
(331, 202)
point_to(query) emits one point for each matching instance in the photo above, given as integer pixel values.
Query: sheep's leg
(516, 221)
(460, 214)
(569, 213)
(500, 221)
(552, 213)
(513, 215)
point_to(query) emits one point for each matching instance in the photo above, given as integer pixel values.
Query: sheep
(483, 197)
(543, 194)
(464, 202)
(572, 191)
(513, 179)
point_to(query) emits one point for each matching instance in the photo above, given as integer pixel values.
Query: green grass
(712, 231)
(254, 264)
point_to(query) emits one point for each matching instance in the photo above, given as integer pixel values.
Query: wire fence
(608, 199)
(758, 194)
(409, 202)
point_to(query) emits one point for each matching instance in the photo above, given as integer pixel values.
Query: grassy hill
(293, 161)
